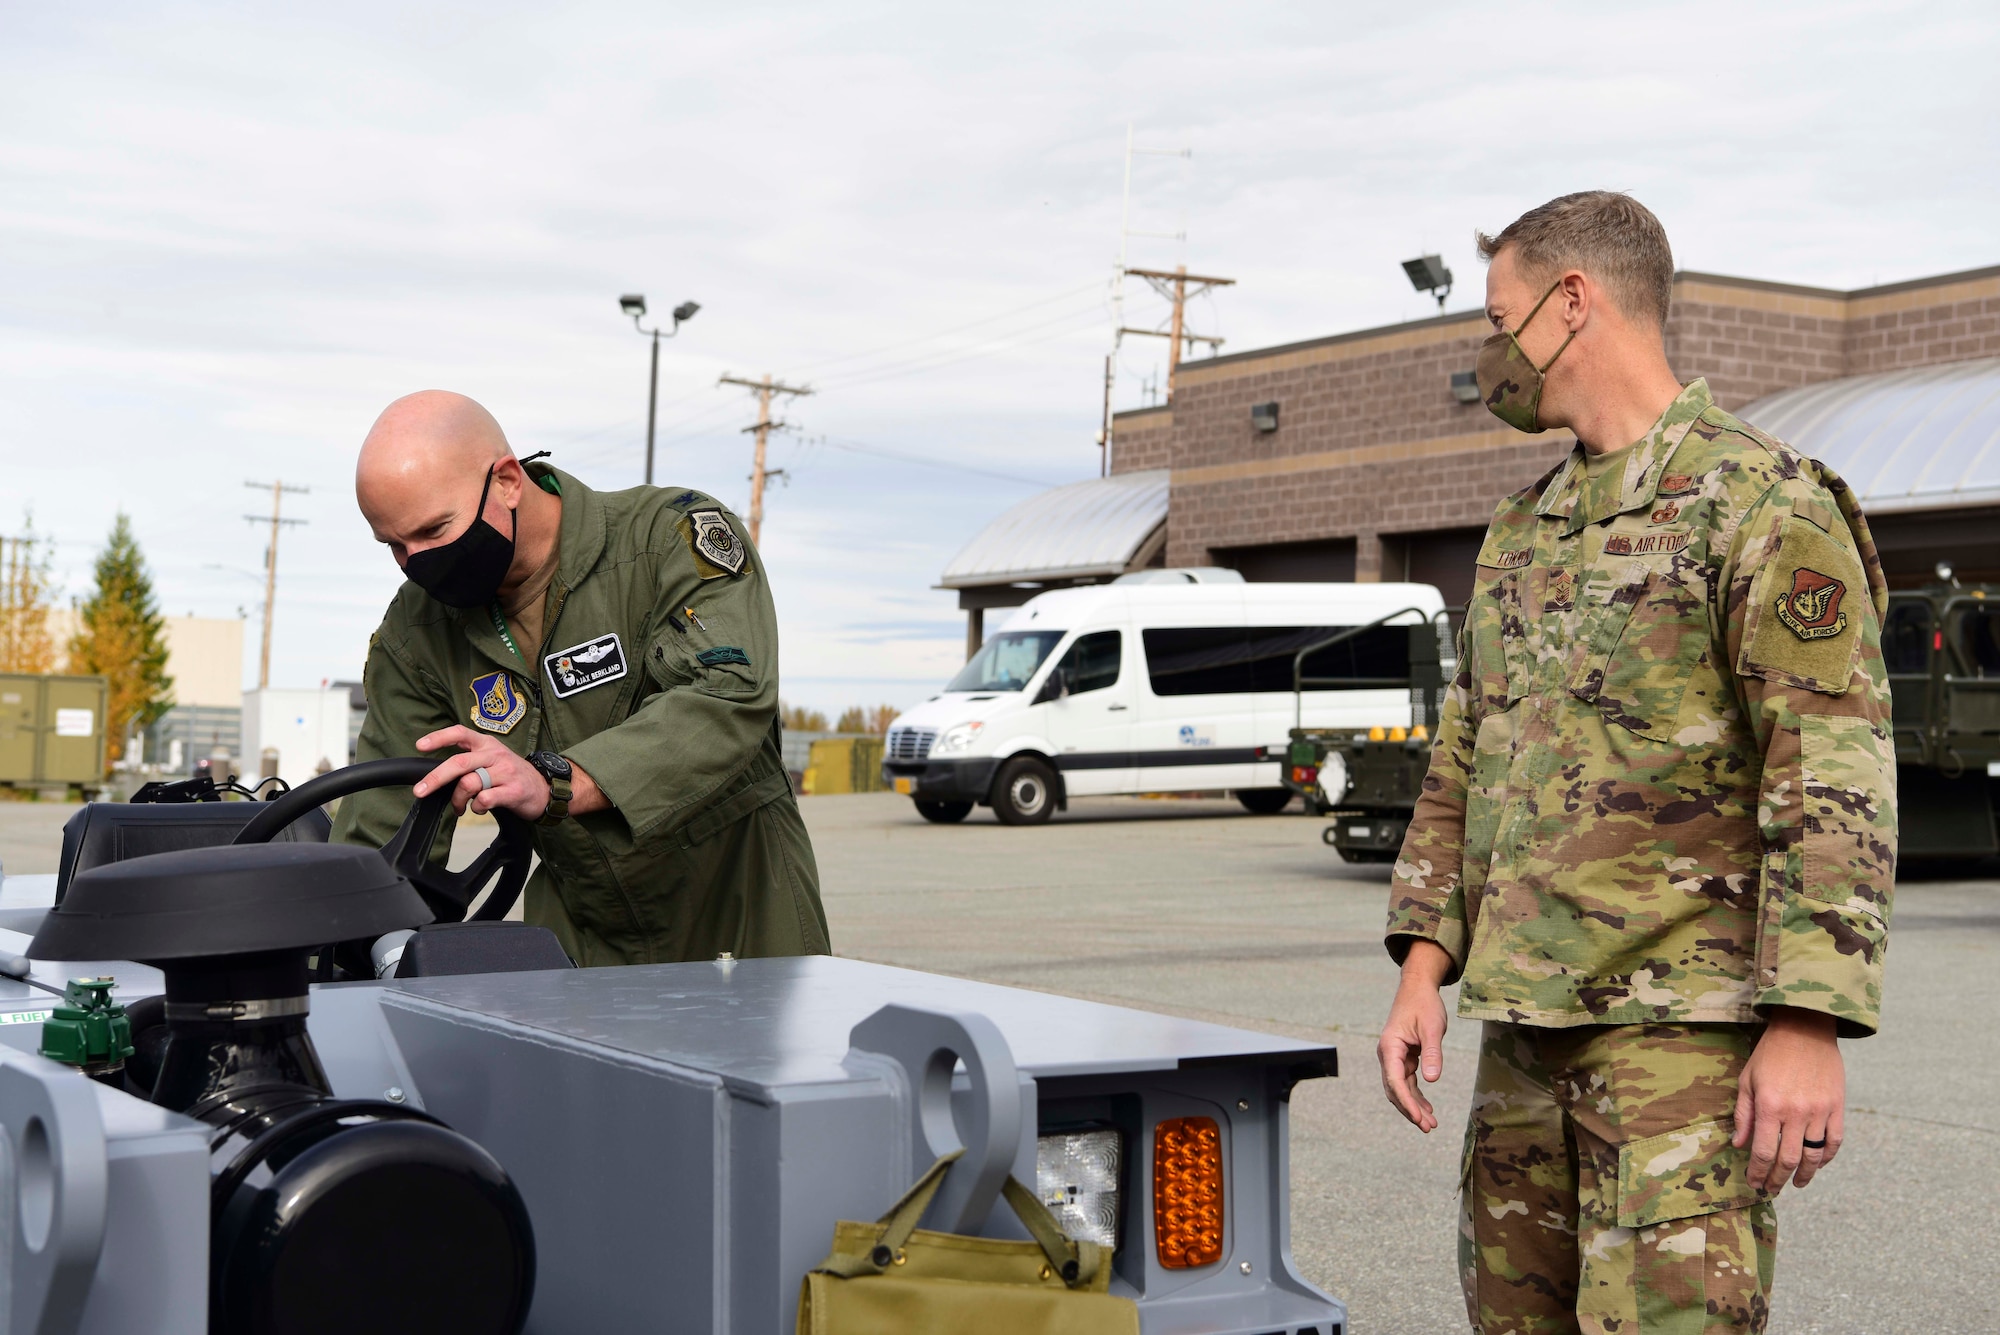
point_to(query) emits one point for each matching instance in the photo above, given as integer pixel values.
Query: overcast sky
(230, 235)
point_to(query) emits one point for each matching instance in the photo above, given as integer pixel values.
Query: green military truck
(1368, 781)
(1940, 647)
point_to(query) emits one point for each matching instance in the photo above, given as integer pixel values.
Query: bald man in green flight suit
(610, 661)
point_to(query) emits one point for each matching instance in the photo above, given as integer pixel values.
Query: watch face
(551, 764)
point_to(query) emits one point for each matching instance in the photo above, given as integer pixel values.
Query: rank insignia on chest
(715, 543)
(1811, 610)
(582, 666)
(496, 705)
(1561, 595)
(1667, 513)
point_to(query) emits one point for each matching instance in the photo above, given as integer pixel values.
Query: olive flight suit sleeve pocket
(711, 649)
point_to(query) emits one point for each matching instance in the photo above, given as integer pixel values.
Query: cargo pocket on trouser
(1693, 1242)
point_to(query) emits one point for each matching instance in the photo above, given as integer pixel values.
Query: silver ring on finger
(485, 779)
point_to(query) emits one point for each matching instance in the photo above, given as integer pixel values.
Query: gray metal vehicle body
(684, 1136)
(1941, 647)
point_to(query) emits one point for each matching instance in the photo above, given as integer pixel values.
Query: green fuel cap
(89, 1029)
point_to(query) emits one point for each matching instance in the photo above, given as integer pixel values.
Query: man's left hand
(1793, 1089)
(517, 786)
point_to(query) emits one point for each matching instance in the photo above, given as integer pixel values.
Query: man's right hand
(1413, 1038)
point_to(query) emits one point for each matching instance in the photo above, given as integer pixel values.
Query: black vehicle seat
(444, 949)
(112, 831)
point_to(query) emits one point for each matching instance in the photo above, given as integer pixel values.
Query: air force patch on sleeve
(496, 705)
(715, 542)
(582, 666)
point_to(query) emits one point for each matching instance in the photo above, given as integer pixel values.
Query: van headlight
(1077, 1176)
(959, 738)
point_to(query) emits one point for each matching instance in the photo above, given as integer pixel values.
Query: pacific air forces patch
(717, 549)
(1811, 609)
(496, 705)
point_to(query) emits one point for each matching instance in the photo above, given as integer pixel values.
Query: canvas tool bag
(890, 1276)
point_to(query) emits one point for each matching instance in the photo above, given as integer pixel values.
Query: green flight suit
(657, 675)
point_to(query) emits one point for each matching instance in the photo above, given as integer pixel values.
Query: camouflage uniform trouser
(1601, 1193)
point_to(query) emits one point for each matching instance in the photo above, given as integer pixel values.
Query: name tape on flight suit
(582, 666)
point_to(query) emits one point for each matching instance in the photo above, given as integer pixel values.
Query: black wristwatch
(557, 771)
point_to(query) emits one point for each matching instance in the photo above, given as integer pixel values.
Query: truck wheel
(1264, 801)
(944, 813)
(1024, 792)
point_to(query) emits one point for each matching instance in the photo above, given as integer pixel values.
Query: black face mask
(468, 570)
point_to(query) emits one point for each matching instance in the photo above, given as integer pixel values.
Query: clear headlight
(1333, 778)
(1076, 1176)
(957, 739)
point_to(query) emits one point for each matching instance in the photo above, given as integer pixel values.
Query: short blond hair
(1610, 236)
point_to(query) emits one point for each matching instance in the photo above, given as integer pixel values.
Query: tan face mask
(1509, 380)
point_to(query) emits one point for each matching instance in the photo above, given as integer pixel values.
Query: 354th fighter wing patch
(716, 547)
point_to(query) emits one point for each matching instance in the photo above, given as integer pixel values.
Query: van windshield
(1006, 662)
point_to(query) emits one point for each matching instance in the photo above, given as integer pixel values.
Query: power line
(944, 333)
(856, 447)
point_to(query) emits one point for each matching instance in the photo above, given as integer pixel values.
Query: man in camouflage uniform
(604, 664)
(1656, 843)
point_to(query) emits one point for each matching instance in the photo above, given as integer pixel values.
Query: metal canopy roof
(1086, 529)
(1921, 439)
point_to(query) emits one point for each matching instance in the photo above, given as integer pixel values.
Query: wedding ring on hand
(485, 779)
(1814, 1144)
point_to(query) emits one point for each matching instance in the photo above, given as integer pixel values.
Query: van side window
(1092, 662)
(1231, 660)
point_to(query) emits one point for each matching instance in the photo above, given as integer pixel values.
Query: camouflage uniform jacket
(1663, 785)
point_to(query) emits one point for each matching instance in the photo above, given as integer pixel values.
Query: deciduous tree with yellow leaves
(27, 592)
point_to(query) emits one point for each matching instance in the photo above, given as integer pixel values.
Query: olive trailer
(1160, 681)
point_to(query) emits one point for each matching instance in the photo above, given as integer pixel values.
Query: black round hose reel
(326, 1214)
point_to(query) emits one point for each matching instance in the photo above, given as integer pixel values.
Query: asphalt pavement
(1195, 908)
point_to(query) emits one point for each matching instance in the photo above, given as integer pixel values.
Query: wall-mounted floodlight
(1428, 274)
(632, 304)
(1264, 416)
(1465, 386)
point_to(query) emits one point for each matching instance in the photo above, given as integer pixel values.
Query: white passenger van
(1161, 681)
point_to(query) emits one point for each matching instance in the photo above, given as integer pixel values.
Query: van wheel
(1264, 801)
(1024, 792)
(944, 813)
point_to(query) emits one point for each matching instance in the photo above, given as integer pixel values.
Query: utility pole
(764, 427)
(276, 521)
(1118, 272)
(1177, 287)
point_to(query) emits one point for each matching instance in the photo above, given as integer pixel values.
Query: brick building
(1375, 469)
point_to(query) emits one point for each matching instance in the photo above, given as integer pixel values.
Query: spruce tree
(121, 635)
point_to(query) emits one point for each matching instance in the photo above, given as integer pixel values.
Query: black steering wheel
(448, 893)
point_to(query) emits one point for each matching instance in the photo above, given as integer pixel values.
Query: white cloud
(228, 236)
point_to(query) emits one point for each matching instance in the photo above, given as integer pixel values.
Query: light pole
(634, 305)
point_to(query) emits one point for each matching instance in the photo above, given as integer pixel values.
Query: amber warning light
(1187, 1192)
